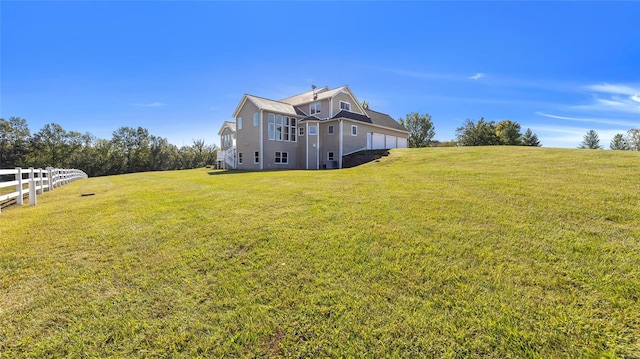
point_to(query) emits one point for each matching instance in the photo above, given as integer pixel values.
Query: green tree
(365, 105)
(52, 146)
(509, 133)
(481, 133)
(591, 140)
(619, 142)
(421, 129)
(530, 139)
(15, 138)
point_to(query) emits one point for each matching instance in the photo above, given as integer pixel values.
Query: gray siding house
(312, 130)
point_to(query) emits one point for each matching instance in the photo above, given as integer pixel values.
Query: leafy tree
(591, 140)
(481, 133)
(421, 129)
(633, 139)
(619, 142)
(509, 133)
(530, 139)
(52, 146)
(14, 142)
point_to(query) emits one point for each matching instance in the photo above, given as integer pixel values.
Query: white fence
(31, 182)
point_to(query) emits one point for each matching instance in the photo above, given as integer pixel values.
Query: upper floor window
(354, 130)
(330, 129)
(345, 106)
(239, 122)
(313, 130)
(256, 119)
(271, 126)
(315, 108)
(278, 127)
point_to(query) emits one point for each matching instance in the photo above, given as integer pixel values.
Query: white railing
(227, 157)
(36, 182)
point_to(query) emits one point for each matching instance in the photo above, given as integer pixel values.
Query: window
(278, 127)
(256, 157)
(300, 131)
(329, 156)
(330, 129)
(256, 119)
(240, 158)
(272, 126)
(345, 106)
(315, 108)
(282, 157)
(354, 130)
(239, 121)
(292, 130)
(227, 140)
(285, 129)
(313, 130)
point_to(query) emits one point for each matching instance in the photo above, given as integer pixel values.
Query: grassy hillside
(446, 252)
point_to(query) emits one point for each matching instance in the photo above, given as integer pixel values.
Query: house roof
(271, 105)
(374, 117)
(352, 116)
(231, 125)
(321, 94)
(382, 119)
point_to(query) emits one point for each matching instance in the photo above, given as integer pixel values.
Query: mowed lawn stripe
(447, 252)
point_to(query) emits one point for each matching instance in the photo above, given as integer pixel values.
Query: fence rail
(30, 182)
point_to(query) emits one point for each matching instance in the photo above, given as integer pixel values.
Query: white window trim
(256, 119)
(240, 158)
(300, 131)
(315, 128)
(313, 105)
(348, 105)
(329, 157)
(281, 162)
(254, 157)
(330, 127)
(354, 127)
(239, 122)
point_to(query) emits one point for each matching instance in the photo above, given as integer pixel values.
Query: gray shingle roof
(274, 106)
(382, 119)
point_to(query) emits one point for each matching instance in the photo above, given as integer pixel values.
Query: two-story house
(311, 130)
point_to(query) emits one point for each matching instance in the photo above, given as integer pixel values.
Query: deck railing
(30, 182)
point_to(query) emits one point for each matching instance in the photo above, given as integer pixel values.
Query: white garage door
(378, 141)
(402, 142)
(391, 141)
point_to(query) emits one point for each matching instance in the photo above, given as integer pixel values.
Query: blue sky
(180, 68)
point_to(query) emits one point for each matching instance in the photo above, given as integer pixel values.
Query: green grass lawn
(445, 252)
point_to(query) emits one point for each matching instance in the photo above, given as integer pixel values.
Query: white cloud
(615, 89)
(477, 76)
(613, 98)
(591, 120)
(153, 104)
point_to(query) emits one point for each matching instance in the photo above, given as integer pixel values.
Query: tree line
(129, 150)
(480, 133)
(621, 142)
